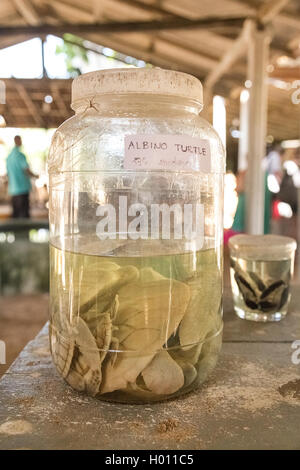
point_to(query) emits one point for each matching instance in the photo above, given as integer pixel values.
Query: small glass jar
(136, 232)
(261, 269)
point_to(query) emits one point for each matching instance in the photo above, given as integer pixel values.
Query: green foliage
(72, 53)
(24, 266)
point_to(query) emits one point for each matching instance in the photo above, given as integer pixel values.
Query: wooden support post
(43, 57)
(258, 51)
(244, 125)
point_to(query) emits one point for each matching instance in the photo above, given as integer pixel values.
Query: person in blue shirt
(19, 185)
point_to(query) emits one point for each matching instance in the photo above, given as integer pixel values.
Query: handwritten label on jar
(167, 152)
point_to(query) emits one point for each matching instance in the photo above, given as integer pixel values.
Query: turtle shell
(85, 371)
(62, 351)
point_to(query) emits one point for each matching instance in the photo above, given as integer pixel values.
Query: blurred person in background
(273, 166)
(290, 181)
(297, 156)
(273, 161)
(239, 223)
(19, 185)
(286, 205)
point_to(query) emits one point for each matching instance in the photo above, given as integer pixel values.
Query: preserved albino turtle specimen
(62, 349)
(78, 359)
(163, 375)
(130, 333)
(199, 317)
(144, 326)
(85, 371)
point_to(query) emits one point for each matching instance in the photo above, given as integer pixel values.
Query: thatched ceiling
(167, 33)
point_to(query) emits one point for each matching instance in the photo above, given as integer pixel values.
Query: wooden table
(252, 400)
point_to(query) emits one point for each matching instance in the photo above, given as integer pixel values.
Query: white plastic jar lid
(262, 247)
(137, 80)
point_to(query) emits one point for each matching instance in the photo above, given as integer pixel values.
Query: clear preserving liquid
(135, 328)
(261, 288)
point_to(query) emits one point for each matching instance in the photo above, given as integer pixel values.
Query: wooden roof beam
(230, 57)
(6, 113)
(184, 55)
(271, 11)
(264, 15)
(153, 8)
(122, 27)
(98, 9)
(32, 108)
(286, 73)
(288, 21)
(58, 98)
(13, 40)
(152, 56)
(19, 112)
(27, 11)
(71, 12)
(37, 84)
(267, 12)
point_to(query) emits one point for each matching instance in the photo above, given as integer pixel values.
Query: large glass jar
(136, 206)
